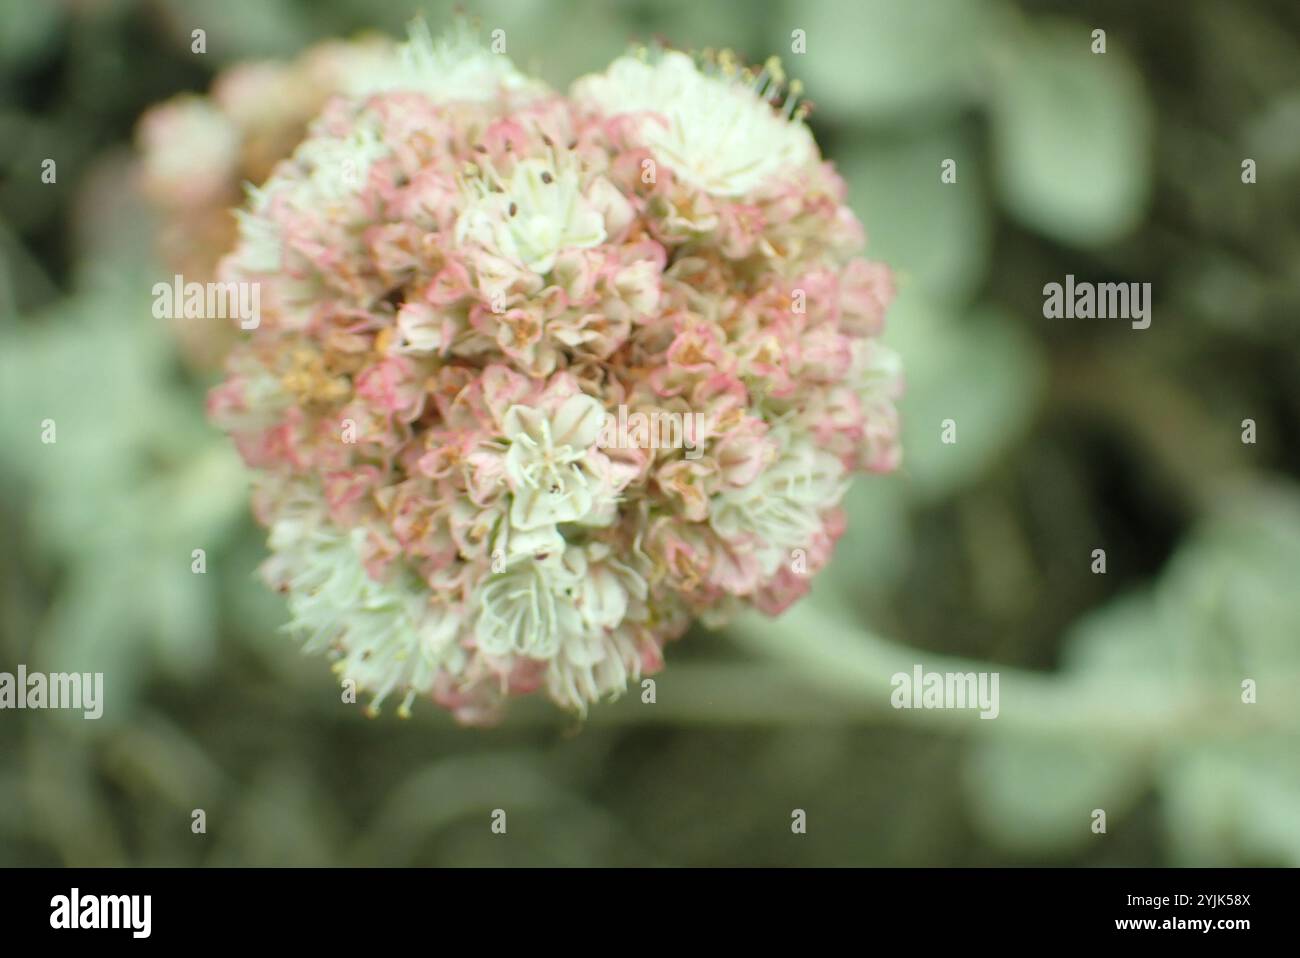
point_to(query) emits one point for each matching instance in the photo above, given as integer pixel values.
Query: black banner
(374, 906)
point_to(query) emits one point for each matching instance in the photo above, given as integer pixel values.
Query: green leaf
(877, 59)
(932, 233)
(1235, 804)
(982, 373)
(27, 30)
(1071, 135)
(1039, 795)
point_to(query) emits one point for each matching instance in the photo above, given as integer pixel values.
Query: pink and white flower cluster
(462, 274)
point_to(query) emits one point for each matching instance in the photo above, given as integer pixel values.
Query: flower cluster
(463, 274)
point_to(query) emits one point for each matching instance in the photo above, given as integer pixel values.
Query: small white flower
(576, 608)
(877, 371)
(591, 666)
(714, 131)
(335, 168)
(527, 609)
(546, 463)
(330, 172)
(260, 249)
(514, 544)
(264, 397)
(455, 67)
(420, 329)
(782, 508)
(385, 636)
(597, 660)
(532, 217)
(608, 590)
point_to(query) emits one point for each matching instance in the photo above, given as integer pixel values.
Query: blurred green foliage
(1121, 691)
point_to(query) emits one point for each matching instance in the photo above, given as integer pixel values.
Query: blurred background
(1119, 691)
